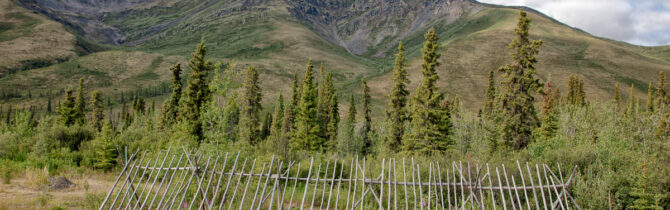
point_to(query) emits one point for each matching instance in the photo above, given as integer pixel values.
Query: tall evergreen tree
(576, 95)
(251, 108)
(489, 102)
(333, 121)
(68, 114)
(307, 128)
(276, 128)
(367, 120)
(351, 119)
(266, 126)
(661, 95)
(80, 104)
(98, 116)
(520, 118)
(170, 107)
(197, 92)
(431, 122)
(549, 113)
(397, 114)
(325, 100)
(650, 98)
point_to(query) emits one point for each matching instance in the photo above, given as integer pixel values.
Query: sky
(640, 22)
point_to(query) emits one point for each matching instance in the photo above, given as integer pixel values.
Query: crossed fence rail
(196, 181)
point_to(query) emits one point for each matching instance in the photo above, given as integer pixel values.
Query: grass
(29, 40)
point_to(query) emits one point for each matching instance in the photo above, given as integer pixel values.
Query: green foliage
(67, 111)
(397, 108)
(277, 138)
(251, 108)
(103, 150)
(328, 111)
(170, 107)
(266, 126)
(98, 116)
(430, 123)
(662, 98)
(576, 95)
(489, 102)
(650, 98)
(307, 128)
(139, 106)
(519, 84)
(231, 118)
(549, 114)
(367, 130)
(197, 93)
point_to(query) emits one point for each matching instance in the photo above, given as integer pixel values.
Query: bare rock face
(59, 183)
(374, 26)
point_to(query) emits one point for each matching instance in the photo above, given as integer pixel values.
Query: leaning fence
(191, 180)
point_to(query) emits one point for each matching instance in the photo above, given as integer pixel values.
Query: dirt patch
(59, 183)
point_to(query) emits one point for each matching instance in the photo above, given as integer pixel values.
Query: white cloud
(642, 22)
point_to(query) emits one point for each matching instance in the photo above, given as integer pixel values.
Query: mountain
(121, 46)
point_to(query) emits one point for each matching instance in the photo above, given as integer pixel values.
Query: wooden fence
(190, 180)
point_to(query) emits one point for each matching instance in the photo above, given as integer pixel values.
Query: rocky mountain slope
(353, 38)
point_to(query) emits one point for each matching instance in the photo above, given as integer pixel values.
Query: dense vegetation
(621, 149)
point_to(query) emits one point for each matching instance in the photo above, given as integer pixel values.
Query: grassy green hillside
(268, 37)
(29, 40)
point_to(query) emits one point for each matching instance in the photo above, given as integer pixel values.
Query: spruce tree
(170, 107)
(198, 92)
(430, 124)
(325, 100)
(520, 118)
(276, 128)
(98, 116)
(397, 114)
(80, 104)
(576, 95)
(307, 127)
(367, 120)
(68, 114)
(251, 108)
(105, 152)
(333, 121)
(549, 113)
(650, 98)
(231, 118)
(266, 126)
(661, 95)
(139, 105)
(489, 102)
(351, 118)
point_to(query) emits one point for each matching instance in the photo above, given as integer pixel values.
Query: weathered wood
(470, 188)
(102, 206)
